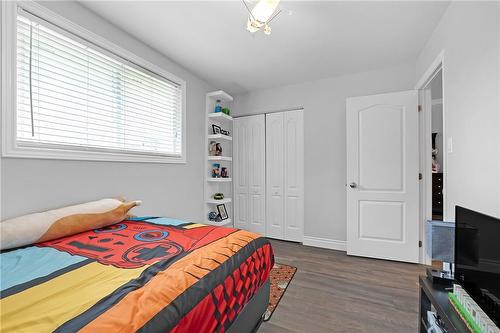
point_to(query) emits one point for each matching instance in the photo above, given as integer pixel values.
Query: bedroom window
(77, 100)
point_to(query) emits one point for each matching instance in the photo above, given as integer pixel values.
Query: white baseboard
(325, 243)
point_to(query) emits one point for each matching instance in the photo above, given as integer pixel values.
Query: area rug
(280, 278)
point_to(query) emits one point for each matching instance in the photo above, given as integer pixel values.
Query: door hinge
(419, 108)
(419, 243)
(420, 176)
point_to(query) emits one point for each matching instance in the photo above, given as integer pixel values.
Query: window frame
(10, 146)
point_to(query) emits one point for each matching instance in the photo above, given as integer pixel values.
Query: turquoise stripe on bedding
(19, 266)
(159, 220)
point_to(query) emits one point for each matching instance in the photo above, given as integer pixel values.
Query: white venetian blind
(73, 95)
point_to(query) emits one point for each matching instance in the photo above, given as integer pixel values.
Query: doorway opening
(434, 147)
(437, 152)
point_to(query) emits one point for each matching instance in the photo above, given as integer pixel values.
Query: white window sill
(83, 155)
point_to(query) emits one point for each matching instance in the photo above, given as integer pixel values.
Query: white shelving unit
(220, 180)
(218, 202)
(220, 137)
(220, 158)
(221, 117)
(222, 185)
(225, 223)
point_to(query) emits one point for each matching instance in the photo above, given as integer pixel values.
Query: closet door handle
(353, 185)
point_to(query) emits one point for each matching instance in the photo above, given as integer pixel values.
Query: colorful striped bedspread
(142, 275)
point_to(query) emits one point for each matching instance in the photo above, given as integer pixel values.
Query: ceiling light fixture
(261, 15)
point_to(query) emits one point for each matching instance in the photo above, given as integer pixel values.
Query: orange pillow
(52, 224)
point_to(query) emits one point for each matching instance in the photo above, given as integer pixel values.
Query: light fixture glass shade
(264, 9)
(253, 25)
(267, 29)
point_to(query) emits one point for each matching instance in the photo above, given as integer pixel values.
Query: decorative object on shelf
(212, 150)
(223, 172)
(218, 108)
(224, 132)
(226, 111)
(218, 149)
(213, 216)
(218, 196)
(222, 211)
(215, 149)
(261, 15)
(216, 129)
(216, 170)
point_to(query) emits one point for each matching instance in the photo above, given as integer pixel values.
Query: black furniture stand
(437, 296)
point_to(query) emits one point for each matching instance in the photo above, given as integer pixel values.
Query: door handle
(353, 185)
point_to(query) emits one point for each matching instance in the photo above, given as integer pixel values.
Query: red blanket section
(217, 311)
(133, 244)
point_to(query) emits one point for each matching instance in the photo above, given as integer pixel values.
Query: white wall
(29, 185)
(325, 138)
(469, 35)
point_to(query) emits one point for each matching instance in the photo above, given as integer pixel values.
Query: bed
(146, 274)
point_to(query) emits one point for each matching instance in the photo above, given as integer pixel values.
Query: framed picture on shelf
(216, 129)
(222, 211)
(216, 170)
(224, 132)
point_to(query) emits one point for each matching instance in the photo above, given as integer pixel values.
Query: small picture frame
(222, 211)
(216, 129)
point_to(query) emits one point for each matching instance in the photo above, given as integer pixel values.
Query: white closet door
(249, 173)
(240, 173)
(275, 203)
(294, 175)
(256, 173)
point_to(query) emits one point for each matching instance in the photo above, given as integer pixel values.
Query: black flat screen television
(477, 259)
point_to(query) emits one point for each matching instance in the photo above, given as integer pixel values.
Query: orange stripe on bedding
(139, 306)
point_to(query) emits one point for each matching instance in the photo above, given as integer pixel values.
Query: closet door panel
(274, 175)
(240, 173)
(256, 173)
(294, 175)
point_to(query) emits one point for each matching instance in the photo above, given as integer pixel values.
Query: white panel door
(275, 175)
(294, 175)
(382, 176)
(240, 173)
(256, 173)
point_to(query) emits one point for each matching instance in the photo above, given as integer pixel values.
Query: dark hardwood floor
(332, 292)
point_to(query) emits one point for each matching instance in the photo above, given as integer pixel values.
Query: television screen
(477, 259)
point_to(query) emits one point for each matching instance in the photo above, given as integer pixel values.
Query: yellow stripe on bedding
(194, 225)
(45, 307)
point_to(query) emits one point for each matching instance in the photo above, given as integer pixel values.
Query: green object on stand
(464, 314)
(226, 111)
